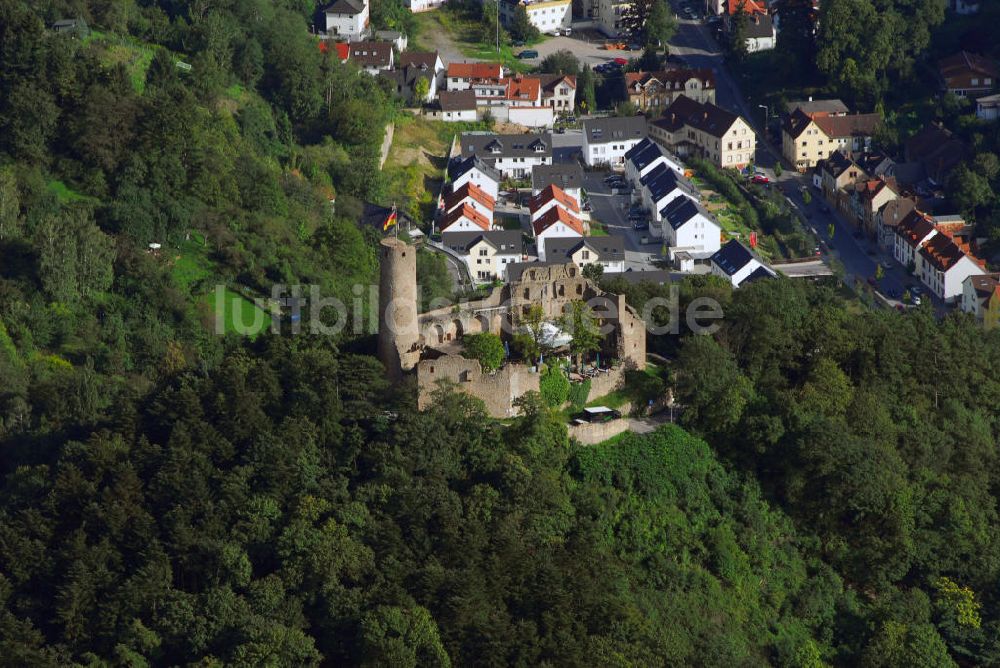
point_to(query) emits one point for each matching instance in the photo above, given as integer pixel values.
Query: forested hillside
(173, 497)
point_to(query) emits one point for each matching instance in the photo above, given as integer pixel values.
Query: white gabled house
(469, 194)
(487, 254)
(943, 266)
(646, 156)
(735, 263)
(347, 19)
(607, 140)
(660, 187)
(556, 223)
(688, 226)
(474, 170)
(551, 196)
(465, 219)
(607, 251)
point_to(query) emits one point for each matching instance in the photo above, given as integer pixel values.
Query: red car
(760, 178)
(620, 61)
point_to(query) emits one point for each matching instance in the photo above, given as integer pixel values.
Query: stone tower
(398, 330)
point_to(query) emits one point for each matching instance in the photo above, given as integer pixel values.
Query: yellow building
(690, 128)
(806, 139)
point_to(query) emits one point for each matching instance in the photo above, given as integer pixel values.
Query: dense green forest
(173, 497)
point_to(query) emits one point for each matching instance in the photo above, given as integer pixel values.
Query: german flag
(390, 220)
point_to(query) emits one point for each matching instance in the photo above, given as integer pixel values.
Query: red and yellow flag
(389, 221)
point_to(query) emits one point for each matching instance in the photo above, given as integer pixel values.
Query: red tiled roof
(915, 227)
(469, 190)
(475, 70)
(550, 192)
(853, 125)
(557, 214)
(964, 62)
(467, 212)
(343, 50)
(523, 88)
(941, 252)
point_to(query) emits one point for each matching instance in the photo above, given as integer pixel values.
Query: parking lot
(612, 209)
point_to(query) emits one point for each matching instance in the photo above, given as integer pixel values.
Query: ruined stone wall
(597, 432)
(497, 390)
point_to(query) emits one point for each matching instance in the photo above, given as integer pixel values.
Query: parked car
(620, 61)
(886, 264)
(517, 43)
(527, 54)
(586, 205)
(640, 225)
(760, 178)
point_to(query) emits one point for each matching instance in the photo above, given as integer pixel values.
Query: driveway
(612, 210)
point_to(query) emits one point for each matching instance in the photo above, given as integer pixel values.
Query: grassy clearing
(415, 168)
(66, 194)
(598, 229)
(239, 315)
(465, 31)
(191, 263)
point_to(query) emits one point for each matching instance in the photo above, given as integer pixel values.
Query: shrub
(554, 387)
(578, 394)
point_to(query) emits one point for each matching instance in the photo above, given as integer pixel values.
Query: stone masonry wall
(497, 390)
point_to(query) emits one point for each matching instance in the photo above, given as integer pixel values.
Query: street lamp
(766, 111)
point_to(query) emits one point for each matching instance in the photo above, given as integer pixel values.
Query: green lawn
(416, 164)
(465, 31)
(598, 229)
(191, 263)
(236, 306)
(66, 194)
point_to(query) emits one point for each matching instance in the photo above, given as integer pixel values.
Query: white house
(549, 16)
(607, 140)
(688, 226)
(487, 254)
(608, 251)
(398, 40)
(550, 196)
(912, 232)
(373, 57)
(735, 263)
(646, 156)
(474, 170)
(988, 107)
(469, 194)
(455, 106)
(558, 91)
(568, 176)
(761, 34)
(512, 155)
(943, 265)
(417, 6)
(428, 61)
(461, 76)
(556, 223)
(661, 186)
(464, 219)
(346, 18)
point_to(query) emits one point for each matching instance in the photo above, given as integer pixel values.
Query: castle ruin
(428, 343)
